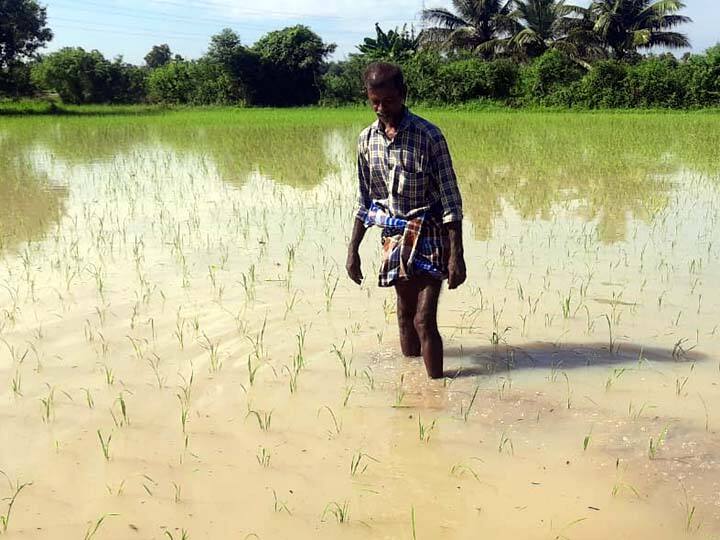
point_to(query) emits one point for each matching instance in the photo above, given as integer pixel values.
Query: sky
(130, 28)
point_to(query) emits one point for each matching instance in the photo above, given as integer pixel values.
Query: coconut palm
(471, 24)
(626, 25)
(539, 25)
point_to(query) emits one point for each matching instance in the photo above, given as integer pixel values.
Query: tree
(22, 30)
(158, 56)
(475, 23)
(79, 76)
(292, 61)
(241, 64)
(394, 46)
(22, 33)
(626, 25)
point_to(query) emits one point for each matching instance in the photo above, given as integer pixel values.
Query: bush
(547, 75)
(656, 82)
(701, 77)
(465, 80)
(604, 86)
(190, 83)
(81, 77)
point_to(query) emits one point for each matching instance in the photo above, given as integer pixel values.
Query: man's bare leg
(417, 321)
(425, 323)
(407, 301)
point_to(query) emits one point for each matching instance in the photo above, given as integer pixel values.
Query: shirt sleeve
(444, 173)
(363, 170)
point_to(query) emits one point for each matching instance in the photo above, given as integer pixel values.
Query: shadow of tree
(486, 360)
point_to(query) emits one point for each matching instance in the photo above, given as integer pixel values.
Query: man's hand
(353, 266)
(457, 273)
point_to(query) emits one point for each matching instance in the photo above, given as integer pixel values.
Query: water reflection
(29, 203)
(608, 170)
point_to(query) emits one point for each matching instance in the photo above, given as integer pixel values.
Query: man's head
(386, 91)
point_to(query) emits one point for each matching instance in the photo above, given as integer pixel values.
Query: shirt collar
(404, 121)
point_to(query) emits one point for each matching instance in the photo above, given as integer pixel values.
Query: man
(408, 187)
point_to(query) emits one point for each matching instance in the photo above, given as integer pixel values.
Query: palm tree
(626, 25)
(539, 25)
(474, 23)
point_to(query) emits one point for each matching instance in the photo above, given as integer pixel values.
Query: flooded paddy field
(183, 356)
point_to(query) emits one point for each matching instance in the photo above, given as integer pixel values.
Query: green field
(180, 349)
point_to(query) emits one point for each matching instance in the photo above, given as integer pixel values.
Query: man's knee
(425, 323)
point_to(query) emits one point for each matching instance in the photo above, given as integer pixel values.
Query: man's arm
(358, 233)
(353, 258)
(457, 273)
(452, 210)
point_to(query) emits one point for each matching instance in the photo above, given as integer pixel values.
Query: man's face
(387, 103)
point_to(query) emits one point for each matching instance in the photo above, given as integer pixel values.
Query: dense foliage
(510, 52)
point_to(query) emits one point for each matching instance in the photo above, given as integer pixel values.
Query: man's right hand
(353, 266)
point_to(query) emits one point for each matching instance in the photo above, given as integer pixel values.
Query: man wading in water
(408, 187)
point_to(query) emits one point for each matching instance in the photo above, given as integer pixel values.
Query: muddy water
(178, 291)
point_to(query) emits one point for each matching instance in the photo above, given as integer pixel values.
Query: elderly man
(409, 189)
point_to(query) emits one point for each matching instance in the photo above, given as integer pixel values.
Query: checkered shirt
(408, 187)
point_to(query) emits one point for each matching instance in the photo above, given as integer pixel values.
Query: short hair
(380, 75)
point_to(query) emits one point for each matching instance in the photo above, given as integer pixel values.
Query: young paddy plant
(336, 424)
(465, 411)
(506, 444)
(15, 489)
(656, 443)
(359, 463)
(263, 456)
(94, 527)
(213, 350)
(105, 444)
(425, 430)
(264, 418)
(345, 361)
(341, 512)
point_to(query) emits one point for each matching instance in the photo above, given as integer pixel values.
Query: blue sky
(131, 27)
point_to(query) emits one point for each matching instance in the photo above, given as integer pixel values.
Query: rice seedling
(412, 522)
(707, 413)
(105, 444)
(278, 505)
(264, 418)
(691, 523)
(369, 376)
(330, 283)
(154, 362)
(346, 396)
(15, 490)
(345, 361)
(16, 384)
(586, 440)
(569, 390)
(425, 430)
(358, 463)
(336, 424)
(679, 352)
(460, 470)
(656, 443)
(341, 513)
(213, 351)
(680, 383)
(177, 492)
(400, 391)
(184, 535)
(48, 406)
(116, 491)
(263, 456)
(616, 374)
(124, 418)
(94, 527)
(506, 443)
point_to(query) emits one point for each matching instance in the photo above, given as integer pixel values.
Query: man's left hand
(457, 273)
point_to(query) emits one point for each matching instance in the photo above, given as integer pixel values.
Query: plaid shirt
(409, 175)
(408, 187)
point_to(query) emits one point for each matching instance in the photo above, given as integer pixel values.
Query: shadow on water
(487, 360)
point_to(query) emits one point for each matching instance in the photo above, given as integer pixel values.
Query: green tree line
(514, 52)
